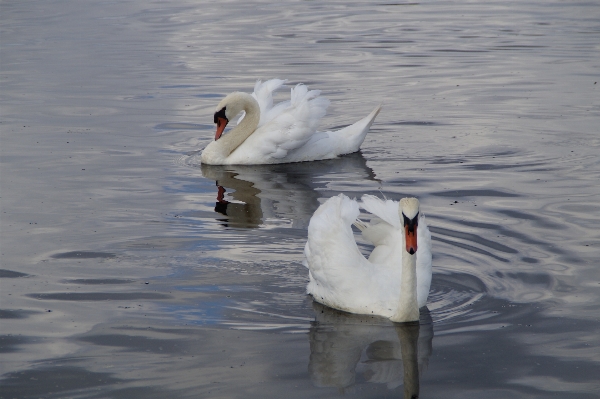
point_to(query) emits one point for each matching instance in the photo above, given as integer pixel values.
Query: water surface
(130, 270)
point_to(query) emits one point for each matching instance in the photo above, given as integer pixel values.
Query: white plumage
(282, 133)
(342, 278)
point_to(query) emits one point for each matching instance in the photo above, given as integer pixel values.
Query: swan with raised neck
(394, 281)
(408, 308)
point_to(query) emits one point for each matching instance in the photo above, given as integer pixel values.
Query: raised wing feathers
(294, 125)
(387, 210)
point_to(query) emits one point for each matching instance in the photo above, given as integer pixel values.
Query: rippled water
(130, 270)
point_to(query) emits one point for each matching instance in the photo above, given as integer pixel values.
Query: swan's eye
(220, 114)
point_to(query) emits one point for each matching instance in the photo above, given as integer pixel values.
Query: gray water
(125, 275)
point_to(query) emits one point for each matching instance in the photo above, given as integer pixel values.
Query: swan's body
(392, 283)
(286, 132)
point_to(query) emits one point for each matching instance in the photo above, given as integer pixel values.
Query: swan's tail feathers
(365, 123)
(353, 136)
(375, 112)
(369, 119)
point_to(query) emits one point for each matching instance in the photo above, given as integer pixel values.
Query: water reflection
(346, 347)
(251, 195)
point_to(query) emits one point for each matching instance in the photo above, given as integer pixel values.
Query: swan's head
(228, 108)
(409, 212)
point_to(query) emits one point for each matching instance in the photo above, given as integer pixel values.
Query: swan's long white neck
(408, 307)
(236, 136)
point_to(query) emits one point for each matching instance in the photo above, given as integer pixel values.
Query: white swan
(283, 133)
(394, 282)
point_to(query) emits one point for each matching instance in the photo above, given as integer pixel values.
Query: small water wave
(98, 296)
(99, 281)
(473, 193)
(274, 321)
(84, 255)
(4, 273)
(189, 160)
(181, 126)
(452, 297)
(504, 260)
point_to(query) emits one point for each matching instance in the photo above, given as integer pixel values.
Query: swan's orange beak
(411, 239)
(221, 123)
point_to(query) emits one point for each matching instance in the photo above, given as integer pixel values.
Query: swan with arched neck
(282, 133)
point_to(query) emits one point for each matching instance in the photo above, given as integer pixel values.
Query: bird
(281, 133)
(394, 281)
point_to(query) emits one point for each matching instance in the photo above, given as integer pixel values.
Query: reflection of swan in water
(250, 196)
(344, 345)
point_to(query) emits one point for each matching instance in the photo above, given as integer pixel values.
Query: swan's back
(285, 128)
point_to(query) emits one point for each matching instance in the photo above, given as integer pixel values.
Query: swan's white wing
(263, 93)
(340, 276)
(292, 128)
(386, 210)
(268, 116)
(329, 230)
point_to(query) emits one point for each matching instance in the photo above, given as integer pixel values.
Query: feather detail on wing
(292, 127)
(377, 232)
(329, 228)
(263, 93)
(387, 210)
(332, 254)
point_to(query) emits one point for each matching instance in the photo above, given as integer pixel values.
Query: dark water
(129, 270)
